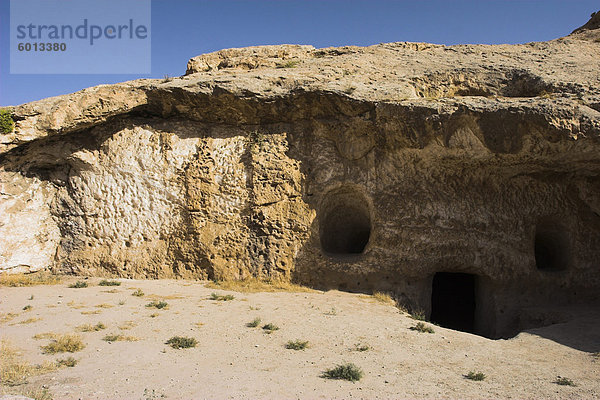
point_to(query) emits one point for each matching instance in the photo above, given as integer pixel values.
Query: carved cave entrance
(345, 226)
(453, 301)
(551, 248)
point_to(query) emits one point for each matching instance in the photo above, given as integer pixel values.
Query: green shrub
(180, 342)
(78, 285)
(419, 315)
(28, 307)
(421, 327)
(67, 362)
(157, 304)
(254, 323)
(227, 297)
(362, 347)
(104, 282)
(138, 293)
(349, 372)
(296, 344)
(270, 327)
(475, 376)
(7, 125)
(563, 381)
(289, 64)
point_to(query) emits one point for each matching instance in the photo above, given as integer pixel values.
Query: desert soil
(234, 361)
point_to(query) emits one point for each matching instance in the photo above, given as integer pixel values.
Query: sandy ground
(235, 361)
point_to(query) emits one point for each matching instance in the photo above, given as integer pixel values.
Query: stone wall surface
(356, 168)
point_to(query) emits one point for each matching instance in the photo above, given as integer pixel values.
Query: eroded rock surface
(358, 168)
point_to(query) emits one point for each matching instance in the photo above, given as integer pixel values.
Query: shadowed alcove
(345, 222)
(551, 247)
(453, 301)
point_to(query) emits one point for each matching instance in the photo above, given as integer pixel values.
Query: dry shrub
(384, 298)
(36, 278)
(45, 335)
(4, 318)
(64, 343)
(91, 328)
(254, 285)
(120, 338)
(28, 321)
(14, 371)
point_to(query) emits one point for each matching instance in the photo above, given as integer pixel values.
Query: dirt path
(232, 360)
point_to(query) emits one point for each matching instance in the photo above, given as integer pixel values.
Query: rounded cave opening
(345, 222)
(551, 247)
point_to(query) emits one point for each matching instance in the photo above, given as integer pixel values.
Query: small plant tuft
(419, 315)
(28, 307)
(63, 344)
(138, 293)
(348, 372)
(289, 64)
(362, 347)
(91, 328)
(270, 327)
(296, 344)
(78, 285)
(29, 321)
(564, 381)
(333, 311)
(105, 282)
(158, 304)
(67, 362)
(544, 94)
(7, 124)
(217, 297)
(383, 298)
(475, 376)
(254, 323)
(45, 335)
(421, 327)
(180, 342)
(119, 338)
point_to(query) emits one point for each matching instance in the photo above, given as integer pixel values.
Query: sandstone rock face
(401, 167)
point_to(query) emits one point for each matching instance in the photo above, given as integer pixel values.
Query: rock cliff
(389, 167)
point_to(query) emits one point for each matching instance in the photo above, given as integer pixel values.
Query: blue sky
(182, 29)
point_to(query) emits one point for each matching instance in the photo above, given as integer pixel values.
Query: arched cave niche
(551, 247)
(345, 222)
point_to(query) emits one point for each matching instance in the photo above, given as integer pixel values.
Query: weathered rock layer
(358, 168)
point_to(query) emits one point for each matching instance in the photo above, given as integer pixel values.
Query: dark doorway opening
(550, 248)
(453, 301)
(345, 226)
